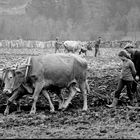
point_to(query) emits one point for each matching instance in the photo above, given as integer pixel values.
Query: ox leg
(61, 101)
(79, 52)
(84, 88)
(58, 91)
(10, 100)
(38, 89)
(45, 93)
(72, 90)
(6, 112)
(18, 106)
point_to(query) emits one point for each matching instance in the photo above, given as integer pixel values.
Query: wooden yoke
(27, 69)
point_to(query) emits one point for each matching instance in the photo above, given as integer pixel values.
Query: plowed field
(98, 122)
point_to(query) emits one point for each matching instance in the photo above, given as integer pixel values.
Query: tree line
(74, 20)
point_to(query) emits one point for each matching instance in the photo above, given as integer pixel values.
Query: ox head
(13, 78)
(3, 79)
(8, 77)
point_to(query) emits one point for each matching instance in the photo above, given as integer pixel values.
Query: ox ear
(28, 88)
(33, 78)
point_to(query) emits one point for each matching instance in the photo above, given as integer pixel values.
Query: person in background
(128, 74)
(97, 46)
(135, 57)
(57, 45)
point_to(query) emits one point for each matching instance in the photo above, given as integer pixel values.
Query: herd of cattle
(51, 72)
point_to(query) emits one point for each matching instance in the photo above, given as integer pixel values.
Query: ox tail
(87, 87)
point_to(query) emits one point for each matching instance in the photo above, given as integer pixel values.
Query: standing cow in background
(59, 70)
(72, 46)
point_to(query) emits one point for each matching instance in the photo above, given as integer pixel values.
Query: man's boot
(114, 103)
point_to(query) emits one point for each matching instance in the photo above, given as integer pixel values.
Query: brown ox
(23, 89)
(71, 46)
(43, 72)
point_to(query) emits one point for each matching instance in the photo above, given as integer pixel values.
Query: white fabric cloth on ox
(71, 43)
(59, 69)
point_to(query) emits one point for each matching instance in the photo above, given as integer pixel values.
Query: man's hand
(137, 78)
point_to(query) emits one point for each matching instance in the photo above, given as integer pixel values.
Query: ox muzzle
(7, 91)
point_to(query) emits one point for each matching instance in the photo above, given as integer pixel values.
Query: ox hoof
(18, 112)
(6, 113)
(30, 98)
(60, 108)
(85, 108)
(63, 109)
(52, 111)
(32, 112)
(84, 111)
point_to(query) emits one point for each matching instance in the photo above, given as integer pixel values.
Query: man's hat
(128, 45)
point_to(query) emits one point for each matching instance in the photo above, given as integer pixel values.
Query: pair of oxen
(47, 72)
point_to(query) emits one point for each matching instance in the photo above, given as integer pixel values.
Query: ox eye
(10, 77)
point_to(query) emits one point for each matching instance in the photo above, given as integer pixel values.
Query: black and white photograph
(69, 69)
